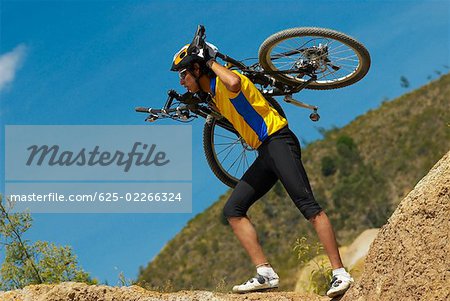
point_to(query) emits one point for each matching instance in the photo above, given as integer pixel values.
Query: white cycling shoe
(339, 285)
(257, 283)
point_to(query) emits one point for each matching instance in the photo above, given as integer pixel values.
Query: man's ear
(197, 69)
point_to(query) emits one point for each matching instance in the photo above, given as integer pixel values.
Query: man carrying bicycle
(279, 158)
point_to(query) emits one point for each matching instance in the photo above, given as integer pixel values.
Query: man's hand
(209, 52)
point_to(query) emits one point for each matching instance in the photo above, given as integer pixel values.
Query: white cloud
(9, 64)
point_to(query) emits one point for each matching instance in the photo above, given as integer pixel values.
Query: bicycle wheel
(227, 154)
(335, 58)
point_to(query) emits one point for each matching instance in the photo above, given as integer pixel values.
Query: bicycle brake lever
(151, 118)
(183, 114)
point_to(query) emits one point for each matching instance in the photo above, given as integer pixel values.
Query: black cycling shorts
(279, 158)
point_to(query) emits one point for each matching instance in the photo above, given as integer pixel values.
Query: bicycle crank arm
(289, 99)
(314, 115)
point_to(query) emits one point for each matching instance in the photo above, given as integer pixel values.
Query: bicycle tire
(210, 151)
(264, 56)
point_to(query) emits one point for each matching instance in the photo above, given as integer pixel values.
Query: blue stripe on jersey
(253, 119)
(212, 86)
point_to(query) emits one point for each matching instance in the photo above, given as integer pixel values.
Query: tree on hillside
(404, 82)
(27, 263)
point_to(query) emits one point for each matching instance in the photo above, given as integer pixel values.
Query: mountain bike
(288, 62)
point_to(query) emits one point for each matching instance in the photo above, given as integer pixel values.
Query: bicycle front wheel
(336, 59)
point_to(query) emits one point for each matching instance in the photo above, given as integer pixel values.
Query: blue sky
(92, 62)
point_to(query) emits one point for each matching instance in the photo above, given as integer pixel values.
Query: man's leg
(324, 230)
(288, 166)
(341, 278)
(246, 234)
(256, 181)
(253, 185)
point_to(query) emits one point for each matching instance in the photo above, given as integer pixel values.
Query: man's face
(188, 81)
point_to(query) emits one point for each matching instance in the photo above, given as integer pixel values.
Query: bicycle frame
(200, 107)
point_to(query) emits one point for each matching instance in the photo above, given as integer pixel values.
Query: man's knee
(235, 221)
(315, 216)
(229, 212)
(309, 208)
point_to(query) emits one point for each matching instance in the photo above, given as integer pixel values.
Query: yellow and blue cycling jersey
(247, 110)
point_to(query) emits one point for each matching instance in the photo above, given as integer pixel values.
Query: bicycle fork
(314, 116)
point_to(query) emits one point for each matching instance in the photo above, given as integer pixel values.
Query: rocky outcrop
(410, 257)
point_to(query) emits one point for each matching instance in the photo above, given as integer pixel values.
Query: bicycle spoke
(340, 49)
(333, 72)
(221, 162)
(245, 161)
(290, 47)
(237, 141)
(343, 51)
(235, 161)
(231, 145)
(344, 64)
(291, 62)
(283, 54)
(331, 52)
(351, 69)
(326, 74)
(347, 58)
(335, 77)
(240, 161)
(311, 40)
(233, 138)
(348, 66)
(335, 48)
(287, 64)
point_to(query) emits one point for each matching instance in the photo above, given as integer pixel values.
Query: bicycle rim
(338, 59)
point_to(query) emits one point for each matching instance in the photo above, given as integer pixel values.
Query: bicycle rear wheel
(227, 154)
(336, 59)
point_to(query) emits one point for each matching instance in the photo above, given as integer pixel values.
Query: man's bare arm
(231, 80)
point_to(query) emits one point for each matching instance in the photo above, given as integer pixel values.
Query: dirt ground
(73, 291)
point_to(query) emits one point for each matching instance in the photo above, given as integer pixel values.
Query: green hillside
(358, 174)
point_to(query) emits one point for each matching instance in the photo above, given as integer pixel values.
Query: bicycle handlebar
(159, 111)
(144, 110)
